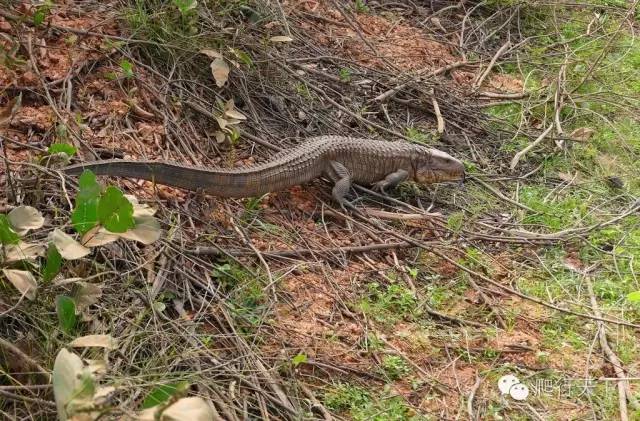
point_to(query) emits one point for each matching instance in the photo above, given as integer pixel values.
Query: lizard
(345, 160)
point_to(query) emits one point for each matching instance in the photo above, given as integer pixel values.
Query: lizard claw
(380, 187)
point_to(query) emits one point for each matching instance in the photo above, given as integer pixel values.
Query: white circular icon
(505, 383)
(519, 392)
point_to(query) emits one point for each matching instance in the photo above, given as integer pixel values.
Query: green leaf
(634, 297)
(53, 264)
(66, 309)
(127, 68)
(7, 234)
(299, 359)
(115, 212)
(85, 215)
(62, 147)
(243, 57)
(89, 186)
(162, 393)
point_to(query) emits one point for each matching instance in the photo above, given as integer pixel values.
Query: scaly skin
(344, 159)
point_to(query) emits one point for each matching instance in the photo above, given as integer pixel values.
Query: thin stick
(472, 394)
(501, 195)
(391, 92)
(24, 357)
(436, 110)
(492, 63)
(611, 356)
(516, 158)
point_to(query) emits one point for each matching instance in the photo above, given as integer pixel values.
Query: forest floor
(285, 306)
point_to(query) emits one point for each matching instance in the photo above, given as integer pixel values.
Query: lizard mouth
(439, 176)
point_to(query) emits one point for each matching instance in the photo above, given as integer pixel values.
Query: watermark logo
(511, 385)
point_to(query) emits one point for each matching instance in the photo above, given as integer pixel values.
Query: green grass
(395, 367)
(389, 305)
(555, 211)
(245, 293)
(364, 404)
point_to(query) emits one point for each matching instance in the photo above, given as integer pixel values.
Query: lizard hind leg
(342, 179)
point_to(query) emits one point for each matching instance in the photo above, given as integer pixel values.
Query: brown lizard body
(343, 159)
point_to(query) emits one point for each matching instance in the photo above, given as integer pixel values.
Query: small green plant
(344, 396)
(395, 367)
(363, 405)
(298, 359)
(246, 297)
(417, 135)
(185, 6)
(361, 6)
(66, 148)
(127, 68)
(41, 12)
(344, 74)
(388, 306)
(303, 90)
(455, 221)
(372, 343)
(94, 206)
(634, 297)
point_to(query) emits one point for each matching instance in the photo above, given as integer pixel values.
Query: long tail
(218, 182)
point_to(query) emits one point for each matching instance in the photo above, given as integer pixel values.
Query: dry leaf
(23, 251)
(220, 71)
(68, 380)
(188, 409)
(235, 114)
(103, 392)
(25, 218)
(211, 53)
(146, 231)
(281, 38)
(140, 209)
(231, 112)
(98, 236)
(143, 210)
(220, 137)
(148, 414)
(87, 295)
(66, 281)
(68, 248)
(582, 134)
(23, 281)
(96, 366)
(222, 123)
(101, 341)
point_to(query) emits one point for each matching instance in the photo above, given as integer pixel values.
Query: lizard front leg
(390, 181)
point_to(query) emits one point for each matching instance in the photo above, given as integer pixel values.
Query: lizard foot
(380, 187)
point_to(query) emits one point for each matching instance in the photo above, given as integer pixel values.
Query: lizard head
(436, 166)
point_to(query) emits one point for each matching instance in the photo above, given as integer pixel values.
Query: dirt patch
(314, 319)
(377, 41)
